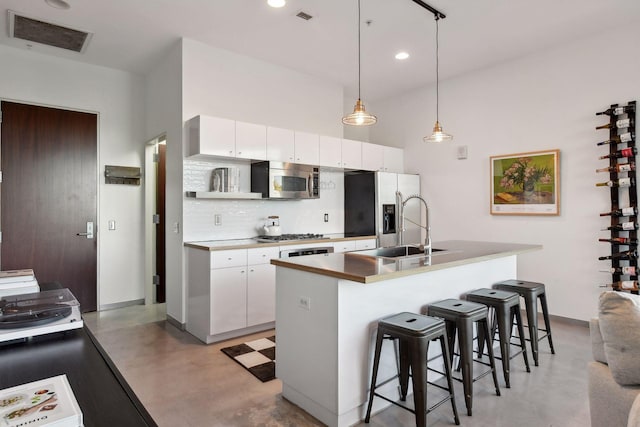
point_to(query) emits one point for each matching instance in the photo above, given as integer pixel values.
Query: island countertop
(367, 269)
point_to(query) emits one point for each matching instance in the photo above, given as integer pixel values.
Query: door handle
(89, 233)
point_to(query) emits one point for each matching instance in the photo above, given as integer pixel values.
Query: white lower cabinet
(344, 246)
(228, 299)
(230, 292)
(261, 294)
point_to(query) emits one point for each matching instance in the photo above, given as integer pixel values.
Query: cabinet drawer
(262, 255)
(231, 258)
(365, 244)
(346, 246)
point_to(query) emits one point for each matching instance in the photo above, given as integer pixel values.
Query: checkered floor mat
(257, 357)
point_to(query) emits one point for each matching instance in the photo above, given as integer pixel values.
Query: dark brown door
(160, 234)
(48, 196)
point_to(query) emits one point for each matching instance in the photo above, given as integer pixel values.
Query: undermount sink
(396, 251)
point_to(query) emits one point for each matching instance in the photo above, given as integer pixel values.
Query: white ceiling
(133, 35)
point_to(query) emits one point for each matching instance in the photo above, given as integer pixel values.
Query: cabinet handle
(239, 153)
(252, 270)
(229, 259)
(230, 151)
(242, 272)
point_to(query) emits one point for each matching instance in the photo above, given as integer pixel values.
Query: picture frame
(525, 183)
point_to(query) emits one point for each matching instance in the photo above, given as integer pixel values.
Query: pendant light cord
(437, 71)
(359, 54)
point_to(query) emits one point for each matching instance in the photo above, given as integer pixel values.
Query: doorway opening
(154, 217)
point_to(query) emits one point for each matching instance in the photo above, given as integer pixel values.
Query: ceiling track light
(437, 135)
(359, 117)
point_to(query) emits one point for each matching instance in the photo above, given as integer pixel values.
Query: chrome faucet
(401, 205)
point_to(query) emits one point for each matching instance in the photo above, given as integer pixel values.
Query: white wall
(116, 97)
(539, 102)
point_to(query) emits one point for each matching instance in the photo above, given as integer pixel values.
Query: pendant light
(359, 117)
(438, 135)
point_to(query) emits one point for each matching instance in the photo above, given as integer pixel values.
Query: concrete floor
(183, 382)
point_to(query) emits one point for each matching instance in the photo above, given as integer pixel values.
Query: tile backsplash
(245, 218)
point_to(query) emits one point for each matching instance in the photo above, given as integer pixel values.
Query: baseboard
(176, 323)
(569, 321)
(121, 304)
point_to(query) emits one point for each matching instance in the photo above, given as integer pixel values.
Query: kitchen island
(328, 306)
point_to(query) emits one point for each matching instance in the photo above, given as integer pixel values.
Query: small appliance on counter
(225, 180)
(15, 282)
(39, 313)
(272, 226)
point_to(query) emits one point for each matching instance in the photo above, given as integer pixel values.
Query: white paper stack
(15, 282)
(49, 402)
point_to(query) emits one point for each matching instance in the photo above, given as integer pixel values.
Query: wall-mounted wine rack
(624, 196)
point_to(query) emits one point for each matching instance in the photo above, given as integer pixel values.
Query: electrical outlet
(304, 303)
(217, 219)
(176, 227)
(326, 217)
(112, 224)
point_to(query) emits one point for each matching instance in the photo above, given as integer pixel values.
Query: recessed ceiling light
(402, 55)
(58, 4)
(276, 3)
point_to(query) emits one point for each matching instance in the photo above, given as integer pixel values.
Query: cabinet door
(216, 136)
(228, 299)
(280, 145)
(261, 294)
(346, 246)
(307, 148)
(393, 159)
(372, 157)
(330, 151)
(351, 154)
(251, 141)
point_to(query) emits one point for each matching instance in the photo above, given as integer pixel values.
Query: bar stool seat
(414, 332)
(505, 306)
(459, 316)
(531, 292)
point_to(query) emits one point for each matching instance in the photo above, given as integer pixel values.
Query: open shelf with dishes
(623, 213)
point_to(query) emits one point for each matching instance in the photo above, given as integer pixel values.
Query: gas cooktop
(288, 237)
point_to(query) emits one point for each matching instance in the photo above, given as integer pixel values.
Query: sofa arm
(609, 402)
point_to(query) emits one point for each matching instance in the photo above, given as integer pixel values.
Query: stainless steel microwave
(278, 180)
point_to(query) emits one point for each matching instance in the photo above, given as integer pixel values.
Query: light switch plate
(462, 152)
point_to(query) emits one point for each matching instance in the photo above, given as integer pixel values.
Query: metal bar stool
(459, 317)
(505, 306)
(414, 332)
(531, 291)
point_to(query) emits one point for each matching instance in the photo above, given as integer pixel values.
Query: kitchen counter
(219, 245)
(366, 269)
(328, 308)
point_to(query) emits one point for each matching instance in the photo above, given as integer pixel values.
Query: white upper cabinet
(307, 148)
(212, 136)
(215, 136)
(280, 145)
(351, 154)
(393, 159)
(330, 151)
(372, 157)
(251, 141)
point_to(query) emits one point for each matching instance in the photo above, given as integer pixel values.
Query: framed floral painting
(526, 183)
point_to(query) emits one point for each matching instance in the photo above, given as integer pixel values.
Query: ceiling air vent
(34, 30)
(304, 15)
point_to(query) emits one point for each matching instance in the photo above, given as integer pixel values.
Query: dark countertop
(104, 397)
(367, 269)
